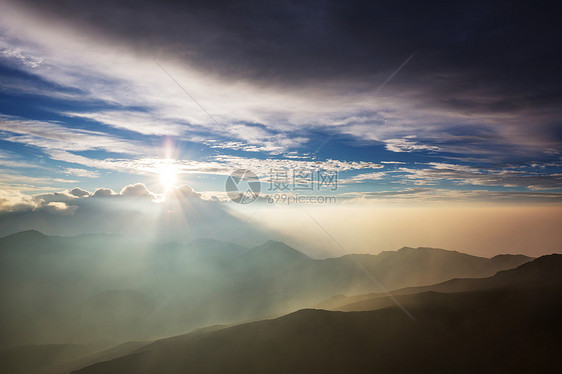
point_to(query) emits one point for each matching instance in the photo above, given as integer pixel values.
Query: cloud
(53, 136)
(308, 67)
(60, 208)
(462, 174)
(259, 83)
(81, 173)
(407, 145)
(182, 192)
(261, 139)
(437, 195)
(359, 178)
(263, 167)
(21, 180)
(140, 122)
(14, 161)
(220, 164)
(136, 190)
(104, 192)
(182, 215)
(78, 192)
(16, 54)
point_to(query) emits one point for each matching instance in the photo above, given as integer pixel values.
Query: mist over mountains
(115, 288)
(206, 187)
(505, 327)
(106, 303)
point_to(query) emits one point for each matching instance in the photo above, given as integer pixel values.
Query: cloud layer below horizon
(184, 215)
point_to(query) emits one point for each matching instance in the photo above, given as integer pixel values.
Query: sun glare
(168, 179)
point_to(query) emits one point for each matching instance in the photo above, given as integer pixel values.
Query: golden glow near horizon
(477, 230)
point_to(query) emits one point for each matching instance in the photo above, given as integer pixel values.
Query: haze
(280, 186)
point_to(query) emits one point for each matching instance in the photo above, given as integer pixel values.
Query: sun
(168, 179)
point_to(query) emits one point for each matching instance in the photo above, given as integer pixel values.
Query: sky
(113, 108)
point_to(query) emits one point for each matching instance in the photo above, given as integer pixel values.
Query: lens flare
(168, 178)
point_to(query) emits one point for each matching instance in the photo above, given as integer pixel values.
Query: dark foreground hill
(508, 331)
(497, 330)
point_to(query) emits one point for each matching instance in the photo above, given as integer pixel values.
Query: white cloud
(81, 173)
(377, 175)
(423, 195)
(137, 190)
(53, 136)
(11, 160)
(407, 145)
(369, 176)
(60, 208)
(469, 175)
(78, 192)
(16, 54)
(140, 122)
(117, 75)
(182, 215)
(104, 192)
(16, 179)
(220, 165)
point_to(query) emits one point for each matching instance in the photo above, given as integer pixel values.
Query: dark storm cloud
(474, 57)
(301, 39)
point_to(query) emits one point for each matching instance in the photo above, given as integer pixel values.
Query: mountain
(23, 239)
(424, 266)
(71, 290)
(172, 287)
(217, 248)
(106, 354)
(275, 251)
(61, 358)
(508, 329)
(36, 358)
(116, 314)
(539, 273)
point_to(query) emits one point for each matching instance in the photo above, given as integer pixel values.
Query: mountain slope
(424, 266)
(509, 329)
(38, 358)
(539, 273)
(451, 334)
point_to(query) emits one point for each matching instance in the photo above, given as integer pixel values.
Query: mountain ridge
(526, 275)
(229, 283)
(38, 235)
(470, 331)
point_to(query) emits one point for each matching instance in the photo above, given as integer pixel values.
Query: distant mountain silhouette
(540, 273)
(276, 251)
(218, 248)
(431, 265)
(509, 329)
(47, 281)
